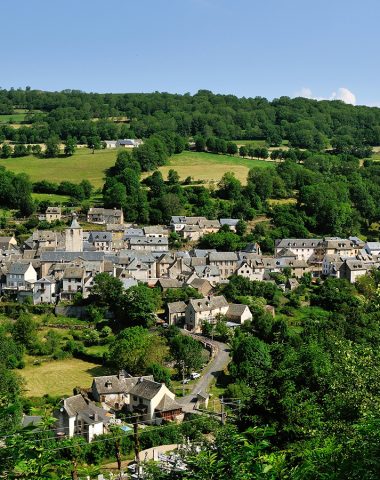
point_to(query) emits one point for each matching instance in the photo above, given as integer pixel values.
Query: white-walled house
(20, 276)
(78, 416)
(44, 290)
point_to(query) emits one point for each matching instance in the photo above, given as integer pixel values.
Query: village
(51, 267)
(54, 267)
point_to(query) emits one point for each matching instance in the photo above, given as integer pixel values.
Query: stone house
(175, 313)
(78, 416)
(101, 241)
(72, 282)
(53, 213)
(204, 309)
(351, 269)
(141, 395)
(105, 215)
(227, 263)
(113, 390)
(253, 270)
(155, 231)
(154, 400)
(158, 244)
(207, 272)
(209, 308)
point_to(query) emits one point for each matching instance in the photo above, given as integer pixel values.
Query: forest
(303, 122)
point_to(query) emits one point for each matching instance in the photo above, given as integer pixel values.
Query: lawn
(210, 167)
(82, 165)
(51, 197)
(14, 118)
(58, 377)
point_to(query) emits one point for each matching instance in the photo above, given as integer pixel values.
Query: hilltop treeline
(332, 195)
(305, 123)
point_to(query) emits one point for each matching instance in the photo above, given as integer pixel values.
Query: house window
(135, 398)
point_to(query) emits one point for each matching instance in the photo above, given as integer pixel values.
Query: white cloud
(304, 92)
(345, 95)
(342, 93)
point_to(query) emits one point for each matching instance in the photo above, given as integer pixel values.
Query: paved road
(218, 363)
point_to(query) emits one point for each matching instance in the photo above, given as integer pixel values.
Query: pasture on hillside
(82, 165)
(58, 377)
(211, 167)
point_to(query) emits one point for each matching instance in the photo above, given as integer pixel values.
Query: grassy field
(50, 197)
(14, 117)
(282, 201)
(209, 167)
(82, 165)
(58, 377)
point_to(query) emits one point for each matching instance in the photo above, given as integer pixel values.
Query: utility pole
(118, 455)
(137, 446)
(183, 377)
(222, 412)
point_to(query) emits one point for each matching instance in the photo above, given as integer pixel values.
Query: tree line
(305, 123)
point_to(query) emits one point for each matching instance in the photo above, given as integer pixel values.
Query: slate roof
(285, 252)
(100, 237)
(176, 307)
(48, 279)
(200, 283)
(223, 256)
(147, 389)
(74, 272)
(136, 264)
(231, 222)
(170, 283)
(236, 310)
(155, 229)
(167, 404)
(53, 210)
(202, 270)
(133, 232)
(104, 211)
(44, 235)
(208, 303)
(148, 241)
(298, 242)
(369, 246)
(198, 252)
(30, 420)
(60, 256)
(117, 384)
(198, 261)
(209, 223)
(19, 268)
(77, 405)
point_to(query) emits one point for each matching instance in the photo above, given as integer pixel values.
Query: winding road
(217, 364)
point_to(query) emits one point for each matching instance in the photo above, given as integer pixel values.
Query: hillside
(303, 122)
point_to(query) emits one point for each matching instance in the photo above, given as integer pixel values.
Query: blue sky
(322, 49)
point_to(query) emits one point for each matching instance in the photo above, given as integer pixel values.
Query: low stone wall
(72, 311)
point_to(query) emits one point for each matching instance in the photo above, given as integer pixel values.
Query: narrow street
(216, 365)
